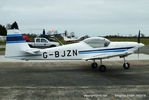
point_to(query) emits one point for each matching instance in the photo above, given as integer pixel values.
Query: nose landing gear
(126, 65)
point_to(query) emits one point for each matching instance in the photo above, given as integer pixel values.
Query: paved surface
(74, 80)
(66, 80)
(2, 52)
(69, 74)
(75, 93)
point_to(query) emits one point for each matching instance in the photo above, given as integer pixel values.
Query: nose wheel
(126, 65)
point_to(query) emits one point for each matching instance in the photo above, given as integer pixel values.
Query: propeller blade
(139, 35)
(43, 32)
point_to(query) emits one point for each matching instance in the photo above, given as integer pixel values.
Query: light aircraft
(72, 39)
(94, 48)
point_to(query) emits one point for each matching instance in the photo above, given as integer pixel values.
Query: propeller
(139, 36)
(43, 32)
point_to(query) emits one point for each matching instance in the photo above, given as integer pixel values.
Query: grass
(2, 43)
(60, 40)
(2, 49)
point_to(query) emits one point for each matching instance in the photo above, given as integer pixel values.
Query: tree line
(3, 29)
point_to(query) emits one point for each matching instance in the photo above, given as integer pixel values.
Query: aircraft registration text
(65, 53)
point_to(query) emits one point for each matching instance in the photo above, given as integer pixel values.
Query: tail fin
(15, 44)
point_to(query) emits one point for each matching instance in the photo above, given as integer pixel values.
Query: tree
(8, 26)
(14, 25)
(3, 30)
(142, 35)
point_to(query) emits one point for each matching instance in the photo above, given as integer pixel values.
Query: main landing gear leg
(102, 67)
(126, 65)
(94, 65)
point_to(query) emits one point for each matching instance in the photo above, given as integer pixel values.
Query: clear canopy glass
(97, 42)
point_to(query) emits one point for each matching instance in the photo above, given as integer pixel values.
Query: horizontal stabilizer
(32, 51)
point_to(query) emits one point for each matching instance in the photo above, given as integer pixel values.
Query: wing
(106, 55)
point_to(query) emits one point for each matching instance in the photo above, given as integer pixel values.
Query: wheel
(52, 46)
(30, 46)
(126, 65)
(94, 65)
(102, 68)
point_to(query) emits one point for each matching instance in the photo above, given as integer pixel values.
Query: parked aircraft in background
(72, 39)
(94, 48)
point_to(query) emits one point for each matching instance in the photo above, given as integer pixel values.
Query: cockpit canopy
(97, 42)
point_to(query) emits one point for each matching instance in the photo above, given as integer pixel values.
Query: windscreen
(97, 43)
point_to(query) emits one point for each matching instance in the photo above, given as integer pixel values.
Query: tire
(52, 46)
(94, 65)
(30, 46)
(102, 68)
(126, 65)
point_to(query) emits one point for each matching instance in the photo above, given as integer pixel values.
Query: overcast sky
(92, 17)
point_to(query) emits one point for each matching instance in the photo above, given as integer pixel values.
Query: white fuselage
(80, 50)
(91, 48)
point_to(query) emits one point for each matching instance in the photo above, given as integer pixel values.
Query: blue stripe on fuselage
(102, 51)
(16, 42)
(105, 50)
